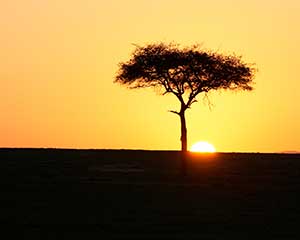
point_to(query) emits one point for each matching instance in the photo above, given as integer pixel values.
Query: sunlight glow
(203, 147)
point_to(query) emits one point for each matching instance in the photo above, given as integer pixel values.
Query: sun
(203, 147)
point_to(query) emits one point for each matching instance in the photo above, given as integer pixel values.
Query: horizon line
(137, 149)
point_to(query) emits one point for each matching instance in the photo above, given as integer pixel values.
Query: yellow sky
(59, 58)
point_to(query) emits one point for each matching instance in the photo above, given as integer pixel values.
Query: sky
(59, 59)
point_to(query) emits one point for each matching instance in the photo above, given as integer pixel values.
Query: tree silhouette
(185, 73)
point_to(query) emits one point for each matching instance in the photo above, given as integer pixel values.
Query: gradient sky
(59, 58)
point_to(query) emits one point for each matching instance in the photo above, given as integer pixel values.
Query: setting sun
(203, 147)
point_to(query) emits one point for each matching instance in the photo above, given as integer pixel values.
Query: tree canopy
(184, 71)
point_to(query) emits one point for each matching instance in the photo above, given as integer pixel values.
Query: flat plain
(134, 194)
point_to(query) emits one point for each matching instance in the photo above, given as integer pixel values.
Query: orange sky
(59, 58)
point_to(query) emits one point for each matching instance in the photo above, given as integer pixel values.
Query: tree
(185, 73)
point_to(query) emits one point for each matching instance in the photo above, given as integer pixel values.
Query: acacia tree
(185, 73)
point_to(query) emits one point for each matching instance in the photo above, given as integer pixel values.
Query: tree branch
(175, 112)
(170, 89)
(174, 82)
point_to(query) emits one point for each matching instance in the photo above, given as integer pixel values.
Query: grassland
(88, 194)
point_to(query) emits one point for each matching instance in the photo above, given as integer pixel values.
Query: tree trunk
(183, 143)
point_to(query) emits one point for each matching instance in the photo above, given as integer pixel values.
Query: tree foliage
(184, 72)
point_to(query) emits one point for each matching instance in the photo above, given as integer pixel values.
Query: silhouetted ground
(88, 194)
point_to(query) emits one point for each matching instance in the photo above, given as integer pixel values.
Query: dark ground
(96, 194)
